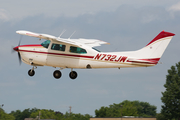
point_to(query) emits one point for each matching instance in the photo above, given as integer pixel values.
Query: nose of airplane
(19, 55)
(16, 48)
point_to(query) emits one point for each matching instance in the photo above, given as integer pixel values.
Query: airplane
(81, 53)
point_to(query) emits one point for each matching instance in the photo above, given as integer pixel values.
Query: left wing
(78, 42)
(32, 34)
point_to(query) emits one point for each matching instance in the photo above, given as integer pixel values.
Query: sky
(125, 24)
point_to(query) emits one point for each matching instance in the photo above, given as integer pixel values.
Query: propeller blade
(19, 56)
(17, 50)
(20, 40)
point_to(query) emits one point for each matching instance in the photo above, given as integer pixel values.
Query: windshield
(46, 43)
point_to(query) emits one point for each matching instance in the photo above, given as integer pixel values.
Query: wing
(78, 42)
(91, 42)
(32, 34)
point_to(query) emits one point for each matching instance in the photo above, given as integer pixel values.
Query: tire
(31, 72)
(73, 74)
(57, 74)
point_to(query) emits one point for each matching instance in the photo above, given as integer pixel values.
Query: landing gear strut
(57, 74)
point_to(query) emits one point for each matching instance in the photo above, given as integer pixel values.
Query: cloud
(175, 7)
(4, 15)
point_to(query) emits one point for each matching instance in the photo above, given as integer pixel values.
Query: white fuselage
(79, 53)
(37, 55)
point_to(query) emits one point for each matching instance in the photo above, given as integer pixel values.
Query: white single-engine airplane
(80, 53)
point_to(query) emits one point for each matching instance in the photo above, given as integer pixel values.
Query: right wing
(78, 42)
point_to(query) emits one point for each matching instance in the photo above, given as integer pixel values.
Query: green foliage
(50, 114)
(127, 108)
(171, 96)
(160, 116)
(5, 116)
(24, 114)
(44, 114)
(72, 116)
(145, 109)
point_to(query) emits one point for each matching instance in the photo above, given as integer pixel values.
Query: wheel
(73, 75)
(57, 74)
(31, 72)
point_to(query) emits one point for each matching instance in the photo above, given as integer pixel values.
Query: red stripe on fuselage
(36, 45)
(49, 53)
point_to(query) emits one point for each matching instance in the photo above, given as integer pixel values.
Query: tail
(153, 51)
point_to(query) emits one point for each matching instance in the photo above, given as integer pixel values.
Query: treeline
(42, 114)
(125, 108)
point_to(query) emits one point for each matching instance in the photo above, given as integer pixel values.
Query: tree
(127, 108)
(171, 96)
(44, 114)
(50, 114)
(5, 116)
(16, 114)
(145, 109)
(24, 114)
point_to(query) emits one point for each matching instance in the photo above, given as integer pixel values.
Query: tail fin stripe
(161, 35)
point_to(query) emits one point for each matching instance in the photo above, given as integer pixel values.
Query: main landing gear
(73, 74)
(57, 73)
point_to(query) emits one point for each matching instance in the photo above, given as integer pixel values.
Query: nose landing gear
(31, 72)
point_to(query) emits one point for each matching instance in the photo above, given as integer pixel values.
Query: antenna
(72, 34)
(62, 33)
(70, 109)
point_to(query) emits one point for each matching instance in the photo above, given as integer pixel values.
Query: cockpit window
(77, 50)
(58, 47)
(46, 43)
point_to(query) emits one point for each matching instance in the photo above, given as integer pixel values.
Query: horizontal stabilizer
(145, 61)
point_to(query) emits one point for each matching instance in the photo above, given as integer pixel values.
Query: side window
(59, 47)
(77, 50)
(46, 43)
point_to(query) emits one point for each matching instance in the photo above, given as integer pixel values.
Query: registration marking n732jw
(109, 57)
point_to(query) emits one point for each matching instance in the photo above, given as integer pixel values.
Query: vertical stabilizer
(153, 51)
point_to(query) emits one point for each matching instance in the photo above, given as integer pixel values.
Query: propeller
(17, 50)
(19, 57)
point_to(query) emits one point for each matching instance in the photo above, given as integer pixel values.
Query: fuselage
(79, 53)
(69, 56)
